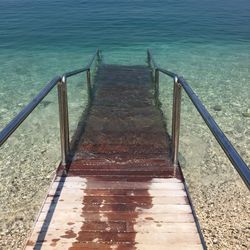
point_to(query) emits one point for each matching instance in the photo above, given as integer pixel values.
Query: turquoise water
(205, 41)
(208, 42)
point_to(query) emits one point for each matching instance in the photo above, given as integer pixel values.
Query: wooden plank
(132, 162)
(55, 245)
(120, 216)
(148, 174)
(113, 177)
(114, 192)
(98, 184)
(168, 173)
(117, 226)
(147, 165)
(167, 239)
(119, 199)
(140, 178)
(79, 208)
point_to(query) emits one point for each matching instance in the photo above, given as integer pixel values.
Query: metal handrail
(225, 144)
(63, 99)
(88, 66)
(17, 121)
(61, 82)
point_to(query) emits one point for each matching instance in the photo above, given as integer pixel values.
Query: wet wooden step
(78, 164)
(140, 179)
(115, 192)
(150, 243)
(119, 227)
(120, 199)
(151, 174)
(124, 185)
(119, 216)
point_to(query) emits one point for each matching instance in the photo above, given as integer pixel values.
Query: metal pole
(89, 84)
(98, 57)
(64, 119)
(157, 79)
(176, 120)
(148, 57)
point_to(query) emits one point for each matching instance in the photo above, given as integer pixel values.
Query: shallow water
(205, 41)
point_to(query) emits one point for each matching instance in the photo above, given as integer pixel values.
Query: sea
(207, 42)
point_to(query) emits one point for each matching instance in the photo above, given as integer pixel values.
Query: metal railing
(225, 144)
(61, 82)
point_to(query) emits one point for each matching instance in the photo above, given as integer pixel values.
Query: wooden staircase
(121, 190)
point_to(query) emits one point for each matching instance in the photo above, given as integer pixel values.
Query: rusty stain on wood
(121, 190)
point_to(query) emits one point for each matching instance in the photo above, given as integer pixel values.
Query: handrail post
(63, 118)
(176, 113)
(89, 84)
(148, 57)
(157, 79)
(99, 58)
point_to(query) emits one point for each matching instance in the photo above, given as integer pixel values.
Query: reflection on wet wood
(121, 190)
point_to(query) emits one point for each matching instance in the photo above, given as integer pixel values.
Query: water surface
(208, 42)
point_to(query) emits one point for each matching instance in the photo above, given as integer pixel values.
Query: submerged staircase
(121, 190)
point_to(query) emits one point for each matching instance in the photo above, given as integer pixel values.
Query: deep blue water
(44, 24)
